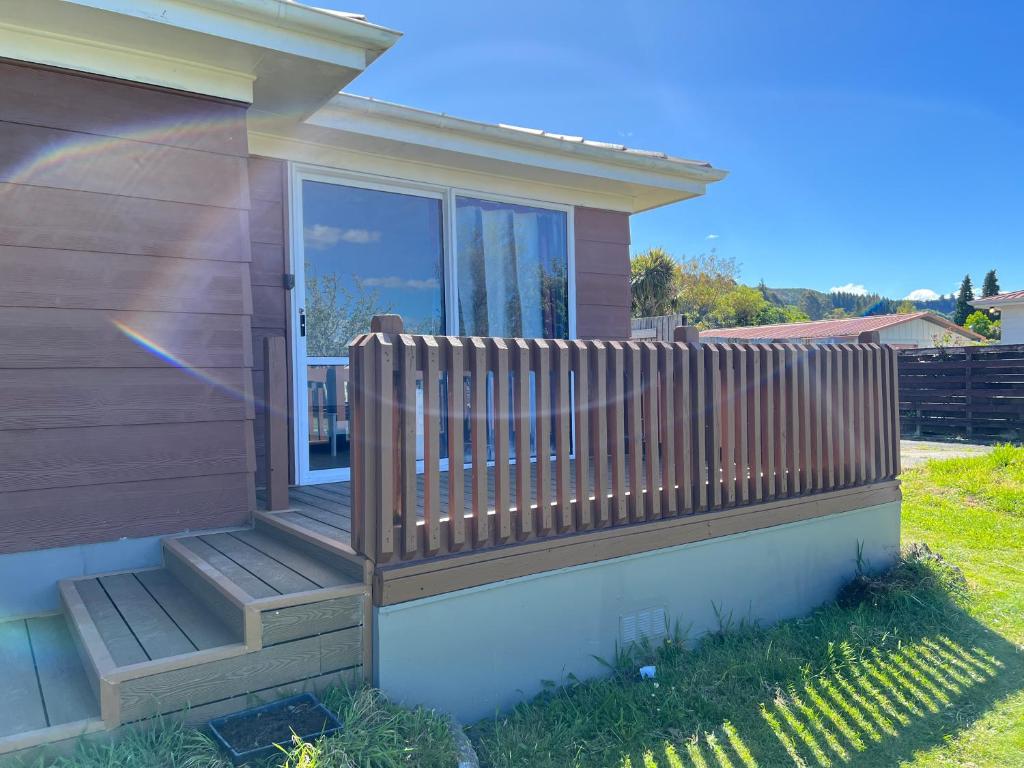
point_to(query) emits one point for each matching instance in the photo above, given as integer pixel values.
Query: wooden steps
(229, 617)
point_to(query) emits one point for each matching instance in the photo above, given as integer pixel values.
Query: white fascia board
(269, 24)
(279, 55)
(364, 125)
(389, 168)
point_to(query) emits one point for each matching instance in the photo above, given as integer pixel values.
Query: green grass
(924, 667)
(377, 734)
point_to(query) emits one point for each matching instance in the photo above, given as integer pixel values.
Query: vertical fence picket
(804, 400)
(781, 422)
(542, 378)
(598, 373)
(699, 434)
(562, 409)
(650, 421)
(894, 411)
(477, 350)
(430, 365)
(682, 430)
(382, 425)
(405, 399)
(727, 422)
(667, 428)
(793, 456)
(455, 368)
(617, 430)
(713, 406)
(755, 420)
(768, 439)
(742, 420)
(519, 350)
(502, 498)
(634, 431)
(581, 434)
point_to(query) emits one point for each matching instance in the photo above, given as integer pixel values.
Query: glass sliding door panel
(365, 252)
(513, 270)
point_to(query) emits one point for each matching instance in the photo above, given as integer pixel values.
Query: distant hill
(818, 304)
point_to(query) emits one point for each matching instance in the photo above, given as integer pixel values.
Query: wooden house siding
(125, 341)
(602, 274)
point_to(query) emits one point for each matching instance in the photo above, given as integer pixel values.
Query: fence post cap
(687, 334)
(869, 337)
(386, 324)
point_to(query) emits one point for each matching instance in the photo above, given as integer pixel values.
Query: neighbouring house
(1011, 313)
(208, 495)
(910, 331)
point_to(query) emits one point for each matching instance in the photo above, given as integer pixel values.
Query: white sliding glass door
(364, 251)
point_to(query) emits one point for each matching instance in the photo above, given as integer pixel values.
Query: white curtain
(504, 252)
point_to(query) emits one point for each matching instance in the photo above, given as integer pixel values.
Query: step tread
(44, 683)
(149, 615)
(264, 565)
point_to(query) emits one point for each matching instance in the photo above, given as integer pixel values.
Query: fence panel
(972, 393)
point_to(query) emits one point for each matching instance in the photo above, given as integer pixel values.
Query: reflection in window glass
(513, 270)
(367, 253)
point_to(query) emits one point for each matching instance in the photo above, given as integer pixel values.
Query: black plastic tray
(332, 725)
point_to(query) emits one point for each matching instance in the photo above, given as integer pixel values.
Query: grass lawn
(919, 669)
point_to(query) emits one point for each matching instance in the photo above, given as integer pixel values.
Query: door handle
(302, 322)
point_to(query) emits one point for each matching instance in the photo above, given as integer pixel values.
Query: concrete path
(915, 452)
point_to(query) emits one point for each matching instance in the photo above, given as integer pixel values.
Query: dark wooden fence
(971, 393)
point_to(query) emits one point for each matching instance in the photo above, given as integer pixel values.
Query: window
(513, 270)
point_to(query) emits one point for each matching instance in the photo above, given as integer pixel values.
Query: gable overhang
(350, 126)
(279, 56)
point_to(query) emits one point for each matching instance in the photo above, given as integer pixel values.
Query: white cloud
(855, 288)
(922, 294)
(321, 236)
(712, 237)
(393, 281)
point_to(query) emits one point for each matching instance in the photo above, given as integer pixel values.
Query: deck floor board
(156, 632)
(21, 705)
(124, 648)
(67, 695)
(201, 626)
(265, 568)
(251, 585)
(316, 571)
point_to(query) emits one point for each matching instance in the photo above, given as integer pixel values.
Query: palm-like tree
(654, 281)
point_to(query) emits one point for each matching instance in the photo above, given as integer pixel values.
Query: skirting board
(513, 634)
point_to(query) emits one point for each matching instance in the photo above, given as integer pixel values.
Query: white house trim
(281, 56)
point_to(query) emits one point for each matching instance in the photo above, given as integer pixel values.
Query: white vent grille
(647, 624)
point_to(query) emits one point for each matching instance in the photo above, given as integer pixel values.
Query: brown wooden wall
(602, 274)
(123, 212)
(267, 269)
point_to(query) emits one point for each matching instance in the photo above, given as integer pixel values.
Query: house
(1011, 312)
(209, 496)
(909, 331)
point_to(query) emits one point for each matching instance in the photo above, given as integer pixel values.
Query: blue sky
(871, 143)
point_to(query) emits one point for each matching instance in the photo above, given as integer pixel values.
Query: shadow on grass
(900, 668)
(879, 710)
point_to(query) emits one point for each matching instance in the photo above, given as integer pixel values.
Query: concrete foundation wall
(481, 650)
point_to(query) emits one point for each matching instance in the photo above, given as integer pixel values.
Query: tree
(654, 280)
(704, 282)
(980, 322)
(963, 301)
(905, 307)
(811, 305)
(990, 286)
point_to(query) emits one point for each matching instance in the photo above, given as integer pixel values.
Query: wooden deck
(44, 684)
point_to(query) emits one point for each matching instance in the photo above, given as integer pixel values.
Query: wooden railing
(636, 432)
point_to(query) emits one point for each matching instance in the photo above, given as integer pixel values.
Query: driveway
(915, 452)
